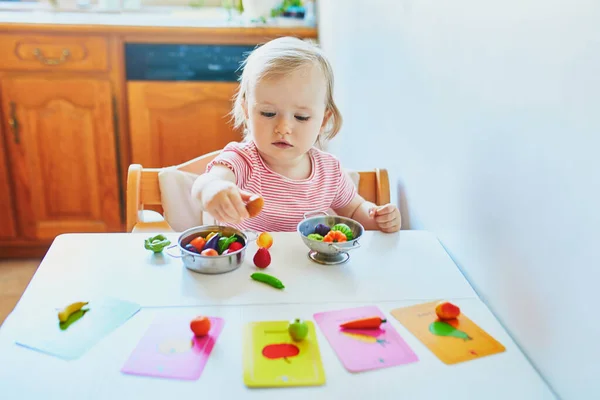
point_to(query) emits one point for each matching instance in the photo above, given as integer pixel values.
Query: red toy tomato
(446, 310)
(235, 246)
(200, 326)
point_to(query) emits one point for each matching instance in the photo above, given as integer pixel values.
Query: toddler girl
(285, 103)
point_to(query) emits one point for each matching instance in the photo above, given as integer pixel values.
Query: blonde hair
(279, 57)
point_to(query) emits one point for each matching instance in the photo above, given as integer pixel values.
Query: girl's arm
(219, 196)
(385, 218)
(358, 210)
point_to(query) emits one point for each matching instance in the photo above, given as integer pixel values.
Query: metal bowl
(212, 264)
(329, 253)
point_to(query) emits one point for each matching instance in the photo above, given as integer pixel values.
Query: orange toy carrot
(363, 323)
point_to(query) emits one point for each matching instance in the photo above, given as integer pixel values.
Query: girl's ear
(326, 119)
(245, 107)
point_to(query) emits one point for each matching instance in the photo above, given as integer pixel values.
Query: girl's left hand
(387, 217)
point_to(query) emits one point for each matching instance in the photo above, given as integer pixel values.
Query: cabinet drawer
(53, 52)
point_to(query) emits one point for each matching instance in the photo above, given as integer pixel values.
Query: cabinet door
(62, 155)
(7, 217)
(173, 122)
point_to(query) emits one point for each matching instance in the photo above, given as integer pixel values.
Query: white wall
(487, 114)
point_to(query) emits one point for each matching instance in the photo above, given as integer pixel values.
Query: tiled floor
(14, 278)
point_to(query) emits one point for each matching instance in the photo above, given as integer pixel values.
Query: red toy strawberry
(262, 258)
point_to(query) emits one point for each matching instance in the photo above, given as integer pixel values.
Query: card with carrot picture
(454, 339)
(363, 340)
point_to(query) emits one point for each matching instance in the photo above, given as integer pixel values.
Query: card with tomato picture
(453, 340)
(169, 349)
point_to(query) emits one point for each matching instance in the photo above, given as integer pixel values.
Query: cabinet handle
(14, 123)
(51, 61)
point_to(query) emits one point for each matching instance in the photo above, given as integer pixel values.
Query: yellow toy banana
(65, 313)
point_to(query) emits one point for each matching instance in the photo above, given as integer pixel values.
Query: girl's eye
(267, 114)
(300, 118)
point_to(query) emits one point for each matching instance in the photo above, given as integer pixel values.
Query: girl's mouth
(282, 144)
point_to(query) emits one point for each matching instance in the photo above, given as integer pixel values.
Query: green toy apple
(298, 330)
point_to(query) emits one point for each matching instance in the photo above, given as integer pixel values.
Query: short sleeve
(346, 189)
(237, 160)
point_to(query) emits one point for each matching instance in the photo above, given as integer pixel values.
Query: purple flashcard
(364, 349)
(169, 349)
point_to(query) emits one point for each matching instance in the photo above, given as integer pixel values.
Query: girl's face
(285, 114)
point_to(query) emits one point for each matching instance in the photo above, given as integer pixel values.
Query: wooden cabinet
(8, 228)
(173, 122)
(53, 52)
(72, 120)
(61, 149)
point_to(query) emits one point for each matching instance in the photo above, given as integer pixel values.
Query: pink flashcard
(169, 349)
(364, 349)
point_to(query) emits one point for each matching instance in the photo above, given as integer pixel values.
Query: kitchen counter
(13, 16)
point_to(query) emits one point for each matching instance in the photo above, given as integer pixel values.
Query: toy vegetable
(268, 279)
(322, 229)
(334, 236)
(345, 229)
(315, 236)
(200, 325)
(213, 242)
(364, 323)
(156, 243)
(224, 243)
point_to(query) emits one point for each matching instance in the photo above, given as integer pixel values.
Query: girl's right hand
(225, 201)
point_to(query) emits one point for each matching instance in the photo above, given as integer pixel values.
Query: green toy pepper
(156, 243)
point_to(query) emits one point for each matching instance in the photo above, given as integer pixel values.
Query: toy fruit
(447, 310)
(298, 330)
(200, 326)
(209, 252)
(262, 258)
(364, 323)
(264, 240)
(254, 205)
(65, 313)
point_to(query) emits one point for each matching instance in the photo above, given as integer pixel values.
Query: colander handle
(355, 245)
(250, 234)
(313, 213)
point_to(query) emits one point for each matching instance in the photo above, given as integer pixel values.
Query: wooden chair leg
(134, 178)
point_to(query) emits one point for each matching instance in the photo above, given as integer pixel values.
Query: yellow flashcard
(452, 341)
(273, 359)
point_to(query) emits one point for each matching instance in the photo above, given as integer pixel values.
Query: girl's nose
(283, 127)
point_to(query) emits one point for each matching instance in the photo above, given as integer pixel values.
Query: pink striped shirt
(286, 200)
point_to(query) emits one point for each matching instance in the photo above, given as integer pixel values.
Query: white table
(395, 271)
(403, 266)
